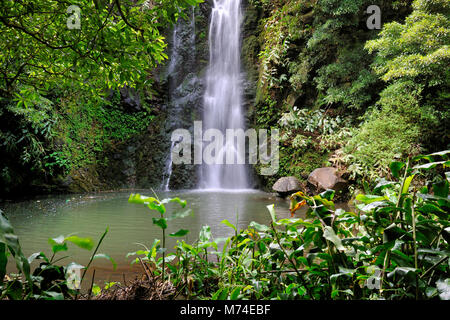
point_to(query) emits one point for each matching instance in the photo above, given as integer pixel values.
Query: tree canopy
(117, 43)
(418, 49)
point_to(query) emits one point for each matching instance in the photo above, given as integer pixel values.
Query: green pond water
(37, 220)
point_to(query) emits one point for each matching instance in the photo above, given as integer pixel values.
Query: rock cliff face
(142, 162)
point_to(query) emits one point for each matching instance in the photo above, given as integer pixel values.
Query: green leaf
(383, 183)
(421, 157)
(436, 252)
(157, 207)
(243, 242)
(84, 243)
(229, 224)
(367, 198)
(259, 227)
(107, 257)
(393, 232)
(5, 226)
(373, 205)
(402, 272)
(235, 293)
(216, 295)
(431, 208)
(271, 209)
(328, 195)
(396, 167)
(224, 294)
(330, 235)
(37, 255)
(58, 247)
(96, 290)
(433, 197)
(441, 153)
(342, 272)
(162, 223)
(407, 183)
(150, 202)
(153, 250)
(179, 233)
(182, 203)
(11, 241)
(429, 165)
(441, 189)
(138, 199)
(401, 259)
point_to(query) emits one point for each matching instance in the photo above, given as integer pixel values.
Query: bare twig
(145, 270)
(92, 284)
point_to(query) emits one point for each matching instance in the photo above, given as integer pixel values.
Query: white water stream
(223, 96)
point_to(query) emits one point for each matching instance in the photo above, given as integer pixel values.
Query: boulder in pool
(287, 185)
(326, 178)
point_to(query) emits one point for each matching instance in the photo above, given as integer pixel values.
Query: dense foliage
(116, 43)
(394, 245)
(388, 88)
(48, 281)
(342, 95)
(62, 98)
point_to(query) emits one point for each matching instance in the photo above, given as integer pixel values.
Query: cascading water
(223, 96)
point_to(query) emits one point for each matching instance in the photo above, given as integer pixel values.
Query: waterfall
(223, 96)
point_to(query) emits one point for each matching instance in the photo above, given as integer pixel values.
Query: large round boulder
(287, 185)
(326, 178)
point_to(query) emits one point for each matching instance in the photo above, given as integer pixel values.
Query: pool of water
(37, 220)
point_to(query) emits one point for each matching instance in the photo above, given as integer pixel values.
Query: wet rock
(130, 99)
(66, 181)
(326, 178)
(287, 185)
(85, 180)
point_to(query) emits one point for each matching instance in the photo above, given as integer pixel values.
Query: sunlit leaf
(367, 199)
(182, 203)
(85, 243)
(229, 224)
(407, 183)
